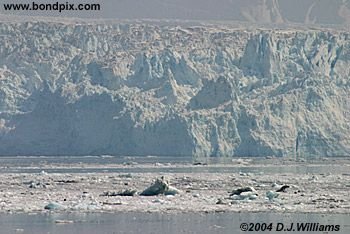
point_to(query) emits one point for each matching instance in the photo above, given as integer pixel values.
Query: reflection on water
(159, 223)
(172, 165)
(206, 169)
(102, 160)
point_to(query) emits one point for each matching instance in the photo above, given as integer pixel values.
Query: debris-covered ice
(200, 192)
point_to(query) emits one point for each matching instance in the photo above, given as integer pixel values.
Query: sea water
(126, 222)
(225, 223)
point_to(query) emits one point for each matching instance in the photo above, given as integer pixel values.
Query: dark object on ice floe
(160, 186)
(66, 181)
(200, 163)
(63, 221)
(283, 188)
(126, 192)
(242, 190)
(36, 184)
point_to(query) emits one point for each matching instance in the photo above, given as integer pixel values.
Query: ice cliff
(157, 89)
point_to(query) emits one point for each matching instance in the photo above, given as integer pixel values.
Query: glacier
(140, 88)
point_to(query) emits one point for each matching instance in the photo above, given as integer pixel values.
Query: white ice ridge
(159, 89)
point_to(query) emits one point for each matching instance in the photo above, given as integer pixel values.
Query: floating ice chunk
(171, 191)
(86, 206)
(160, 201)
(160, 186)
(59, 221)
(245, 196)
(43, 173)
(54, 206)
(271, 195)
(221, 202)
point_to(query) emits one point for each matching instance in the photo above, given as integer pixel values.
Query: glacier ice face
(158, 89)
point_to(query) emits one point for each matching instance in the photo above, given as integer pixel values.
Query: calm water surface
(160, 223)
(91, 164)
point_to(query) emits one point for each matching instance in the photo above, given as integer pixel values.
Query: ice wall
(147, 89)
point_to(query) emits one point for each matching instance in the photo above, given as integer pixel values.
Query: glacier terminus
(142, 88)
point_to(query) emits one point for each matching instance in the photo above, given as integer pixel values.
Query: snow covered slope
(148, 89)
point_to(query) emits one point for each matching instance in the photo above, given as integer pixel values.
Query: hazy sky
(317, 11)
